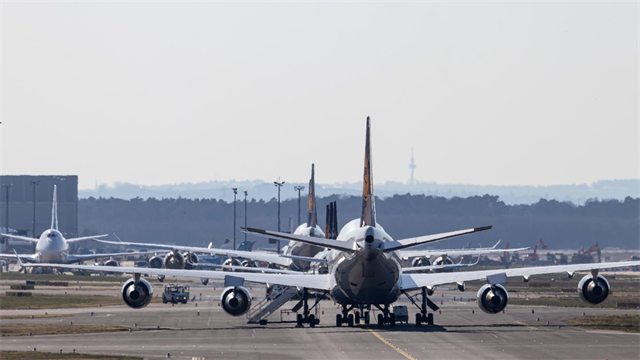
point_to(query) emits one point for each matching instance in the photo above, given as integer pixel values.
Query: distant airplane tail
(54, 209)
(312, 219)
(368, 217)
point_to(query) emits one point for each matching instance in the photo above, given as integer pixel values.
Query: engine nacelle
(461, 286)
(174, 261)
(155, 262)
(232, 262)
(443, 260)
(204, 281)
(249, 263)
(236, 301)
(137, 295)
(492, 298)
(594, 292)
(111, 263)
(191, 260)
(421, 261)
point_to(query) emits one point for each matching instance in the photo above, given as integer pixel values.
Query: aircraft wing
(246, 269)
(315, 282)
(438, 267)
(23, 238)
(405, 243)
(250, 255)
(23, 257)
(73, 258)
(93, 237)
(416, 281)
(322, 242)
(406, 254)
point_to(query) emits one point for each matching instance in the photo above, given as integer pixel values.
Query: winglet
(312, 219)
(54, 209)
(368, 217)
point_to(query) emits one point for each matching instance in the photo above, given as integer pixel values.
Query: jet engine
(248, 263)
(174, 260)
(492, 298)
(156, 262)
(232, 262)
(235, 301)
(111, 263)
(421, 261)
(594, 292)
(191, 260)
(137, 295)
(443, 260)
(204, 281)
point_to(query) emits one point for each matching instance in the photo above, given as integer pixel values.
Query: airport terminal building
(20, 190)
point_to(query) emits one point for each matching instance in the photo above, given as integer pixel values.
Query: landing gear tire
(357, 318)
(430, 319)
(392, 319)
(299, 320)
(338, 320)
(312, 320)
(380, 320)
(350, 320)
(366, 318)
(262, 322)
(418, 319)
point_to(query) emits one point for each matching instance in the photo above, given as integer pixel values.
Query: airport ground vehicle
(175, 294)
(401, 312)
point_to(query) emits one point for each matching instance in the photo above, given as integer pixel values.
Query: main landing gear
(386, 317)
(361, 315)
(422, 317)
(306, 317)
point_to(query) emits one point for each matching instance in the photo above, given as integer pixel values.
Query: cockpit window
(51, 235)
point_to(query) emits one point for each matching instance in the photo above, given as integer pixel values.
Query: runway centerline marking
(523, 324)
(398, 350)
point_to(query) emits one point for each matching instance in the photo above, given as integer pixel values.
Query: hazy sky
(487, 93)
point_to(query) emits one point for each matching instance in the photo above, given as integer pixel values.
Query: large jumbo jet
(364, 271)
(52, 247)
(295, 256)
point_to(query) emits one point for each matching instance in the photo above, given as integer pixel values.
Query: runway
(461, 331)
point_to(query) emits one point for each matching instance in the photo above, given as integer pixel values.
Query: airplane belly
(367, 281)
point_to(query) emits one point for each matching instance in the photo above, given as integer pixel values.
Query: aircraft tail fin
(312, 219)
(54, 209)
(368, 217)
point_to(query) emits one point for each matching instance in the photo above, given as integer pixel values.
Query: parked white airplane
(364, 271)
(443, 257)
(295, 256)
(52, 247)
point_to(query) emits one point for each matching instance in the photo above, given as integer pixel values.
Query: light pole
(278, 184)
(298, 189)
(245, 217)
(34, 183)
(6, 222)
(235, 192)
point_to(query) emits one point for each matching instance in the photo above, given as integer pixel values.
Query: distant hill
(562, 225)
(261, 190)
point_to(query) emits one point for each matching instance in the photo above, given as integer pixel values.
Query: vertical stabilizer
(54, 209)
(368, 199)
(312, 219)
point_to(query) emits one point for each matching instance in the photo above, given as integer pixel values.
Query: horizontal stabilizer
(323, 242)
(405, 243)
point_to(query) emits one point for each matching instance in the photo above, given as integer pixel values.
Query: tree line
(562, 225)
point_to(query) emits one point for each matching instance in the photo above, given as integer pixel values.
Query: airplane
(443, 257)
(52, 247)
(295, 256)
(364, 271)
